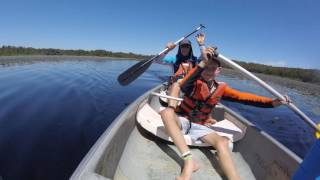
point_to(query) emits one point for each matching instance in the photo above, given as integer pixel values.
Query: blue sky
(274, 32)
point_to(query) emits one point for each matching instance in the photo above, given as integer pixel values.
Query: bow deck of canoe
(126, 151)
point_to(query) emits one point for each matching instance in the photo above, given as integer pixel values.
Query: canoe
(127, 151)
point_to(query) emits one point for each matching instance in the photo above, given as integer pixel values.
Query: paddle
(166, 96)
(270, 89)
(136, 70)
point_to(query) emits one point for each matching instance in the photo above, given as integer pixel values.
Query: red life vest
(199, 104)
(184, 69)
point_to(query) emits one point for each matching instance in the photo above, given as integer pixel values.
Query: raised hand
(206, 54)
(200, 39)
(170, 46)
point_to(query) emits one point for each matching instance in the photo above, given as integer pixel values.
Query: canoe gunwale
(90, 162)
(267, 157)
(122, 126)
(263, 133)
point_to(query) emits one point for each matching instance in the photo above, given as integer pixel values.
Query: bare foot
(196, 166)
(189, 167)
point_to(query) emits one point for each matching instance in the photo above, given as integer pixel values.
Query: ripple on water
(52, 112)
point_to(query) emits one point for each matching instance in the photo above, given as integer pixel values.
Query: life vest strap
(197, 105)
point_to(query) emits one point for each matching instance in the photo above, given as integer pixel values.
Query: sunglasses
(185, 46)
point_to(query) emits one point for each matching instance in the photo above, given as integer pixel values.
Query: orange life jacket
(184, 69)
(199, 104)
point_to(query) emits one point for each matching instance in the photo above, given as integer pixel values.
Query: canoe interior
(126, 151)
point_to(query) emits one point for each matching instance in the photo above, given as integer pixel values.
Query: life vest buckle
(194, 115)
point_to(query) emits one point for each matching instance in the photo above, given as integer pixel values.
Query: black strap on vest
(196, 111)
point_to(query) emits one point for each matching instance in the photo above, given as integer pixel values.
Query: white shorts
(197, 131)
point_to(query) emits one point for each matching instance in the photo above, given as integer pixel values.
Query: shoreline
(17, 58)
(307, 88)
(29, 59)
(303, 87)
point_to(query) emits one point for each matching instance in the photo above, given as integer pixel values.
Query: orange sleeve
(187, 83)
(247, 98)
(191, 73)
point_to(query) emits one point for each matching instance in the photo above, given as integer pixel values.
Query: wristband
(189, 157)
(186, 154)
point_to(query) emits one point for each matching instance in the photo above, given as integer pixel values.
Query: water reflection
(54, 109)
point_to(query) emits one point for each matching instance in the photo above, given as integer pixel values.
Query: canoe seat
(151, 121)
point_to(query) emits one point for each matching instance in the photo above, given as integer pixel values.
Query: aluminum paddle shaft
(268, 88)
(136, 70)
(182, 38)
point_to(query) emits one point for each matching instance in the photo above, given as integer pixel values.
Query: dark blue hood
(181, 59)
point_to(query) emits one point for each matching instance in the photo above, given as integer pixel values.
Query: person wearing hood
(184, 61)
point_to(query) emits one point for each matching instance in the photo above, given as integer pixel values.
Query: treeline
(305, 75)
(13, 51)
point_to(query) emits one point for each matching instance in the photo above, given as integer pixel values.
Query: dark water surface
(52, 112)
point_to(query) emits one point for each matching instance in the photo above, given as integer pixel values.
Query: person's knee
(175, 85)
(165, 114)
(222, 143)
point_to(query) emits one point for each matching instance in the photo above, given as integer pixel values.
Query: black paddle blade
(134, 72)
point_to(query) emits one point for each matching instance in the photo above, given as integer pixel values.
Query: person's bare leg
(171, 123)
(225, 160)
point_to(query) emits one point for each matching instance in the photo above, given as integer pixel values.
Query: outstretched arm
(162, 58)
(251, 99)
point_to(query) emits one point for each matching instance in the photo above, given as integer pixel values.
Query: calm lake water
(53, 111)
